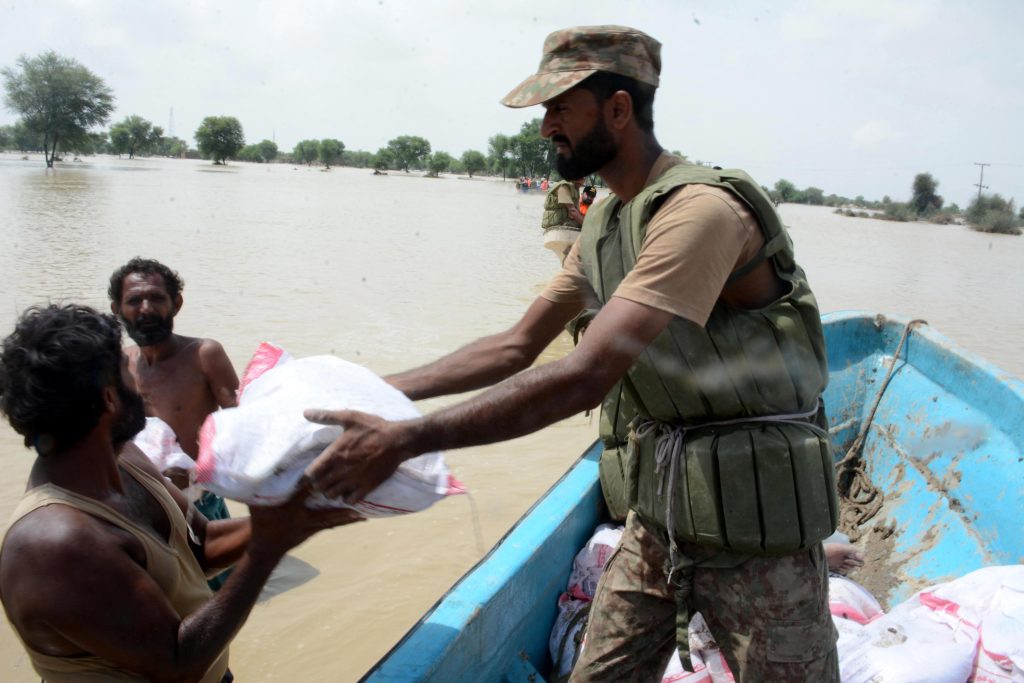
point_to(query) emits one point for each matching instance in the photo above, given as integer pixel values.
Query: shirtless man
(100, 574)
(181, 379)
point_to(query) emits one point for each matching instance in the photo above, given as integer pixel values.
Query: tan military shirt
(694, 241)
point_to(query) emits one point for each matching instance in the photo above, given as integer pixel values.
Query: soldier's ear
(178, 303)
(113, 308)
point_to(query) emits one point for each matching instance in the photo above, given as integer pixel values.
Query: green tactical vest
(759, 484)
(555, 214)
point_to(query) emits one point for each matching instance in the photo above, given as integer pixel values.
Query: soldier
(562, 217)
(705, 343)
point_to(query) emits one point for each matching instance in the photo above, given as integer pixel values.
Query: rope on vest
(860, 497)
(669, 447)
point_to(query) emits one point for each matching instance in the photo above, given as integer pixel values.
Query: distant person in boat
(706, 347)
(181, 379)
(587, 198)
(101, 576)
(562, 218)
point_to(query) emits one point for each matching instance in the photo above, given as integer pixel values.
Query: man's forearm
(478, 364)
(204, 634)
(226, 540)
(530, 401)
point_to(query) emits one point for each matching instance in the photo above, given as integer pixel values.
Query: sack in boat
(847, 599)
(971, 628)
(566, 640)
(256, 453)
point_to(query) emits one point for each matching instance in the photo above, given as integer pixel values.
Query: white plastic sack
(160, 444)
(709, 665)
(586, 571)
(847, 599)
(588, 565)
(590, 561)
(990, 600)
(256, 453)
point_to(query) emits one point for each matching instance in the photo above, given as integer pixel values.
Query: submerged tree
(383, 159)
(438, 163)
(135, 135)
(408, 151)
(268, 150)
(924, 200)
(220, 138)
(57, 98)
(306, 152)
(499, 148)
(785, 191)
(532, 155)
(331, 151)
(473, 161)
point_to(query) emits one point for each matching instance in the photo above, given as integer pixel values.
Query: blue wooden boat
(943, 438)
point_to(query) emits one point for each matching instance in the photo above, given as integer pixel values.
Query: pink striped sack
(256, 453)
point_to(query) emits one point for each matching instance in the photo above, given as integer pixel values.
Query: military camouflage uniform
(768, 613)
(575, 54)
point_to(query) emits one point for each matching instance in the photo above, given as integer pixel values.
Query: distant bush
(898, 211)
(942, 218)
(855, 214)
(992, 213)
(998, 221)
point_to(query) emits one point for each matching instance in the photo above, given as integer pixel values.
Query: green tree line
(61, 103)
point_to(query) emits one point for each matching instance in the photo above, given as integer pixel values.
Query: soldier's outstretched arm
(370, 448)
(490, 359)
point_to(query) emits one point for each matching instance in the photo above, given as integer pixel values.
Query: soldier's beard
(592, 153)
(132, 418)
(149, 330)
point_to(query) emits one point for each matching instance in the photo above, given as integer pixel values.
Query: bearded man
(181, 379)
(101, 576)
(705, 348)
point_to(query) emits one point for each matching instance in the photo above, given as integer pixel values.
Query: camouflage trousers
(768, 614)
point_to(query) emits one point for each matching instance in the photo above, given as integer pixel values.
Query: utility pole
(170, 123)
(981, 179)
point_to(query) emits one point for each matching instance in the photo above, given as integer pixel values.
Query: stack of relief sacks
(969, 629)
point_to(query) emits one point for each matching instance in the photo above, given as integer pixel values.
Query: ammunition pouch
(759, 488)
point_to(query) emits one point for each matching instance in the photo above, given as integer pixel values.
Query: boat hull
(946, 446)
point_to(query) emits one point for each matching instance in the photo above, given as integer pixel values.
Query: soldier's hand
(367, 452)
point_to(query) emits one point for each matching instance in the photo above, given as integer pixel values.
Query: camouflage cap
(573, 54)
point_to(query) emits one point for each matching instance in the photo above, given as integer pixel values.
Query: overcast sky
(854, 97)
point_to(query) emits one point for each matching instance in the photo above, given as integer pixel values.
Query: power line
(981, 179)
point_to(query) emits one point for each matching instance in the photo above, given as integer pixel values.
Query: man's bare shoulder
(131, 453)
(51, 529)
(40, 547)
(210, 347)
(220, 373)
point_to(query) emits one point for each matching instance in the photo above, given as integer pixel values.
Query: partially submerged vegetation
(987, 213)
(60, 101)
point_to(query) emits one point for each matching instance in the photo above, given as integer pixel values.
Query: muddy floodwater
(391, 272)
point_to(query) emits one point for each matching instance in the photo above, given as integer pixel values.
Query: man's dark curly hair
(53, 369)
(604, 84)
(144, 266)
